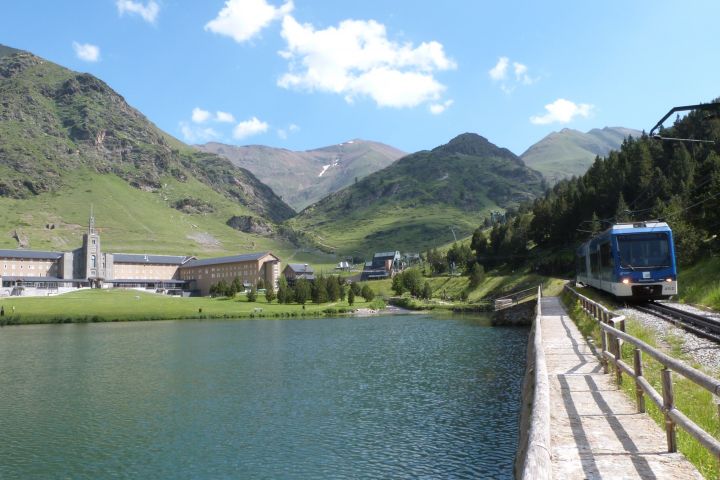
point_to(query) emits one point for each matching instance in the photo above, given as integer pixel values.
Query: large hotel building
(89, 266)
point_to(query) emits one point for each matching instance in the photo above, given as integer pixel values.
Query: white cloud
(284, 132)
(86, 51)
(193, 134)
(499, 71)
(199, 115)
(224, 117)
(499, 74)
(438, 108)
(521, 75)
(562, 111)
(244, 19)
(356, 59)
(249, 128)
(148, 12)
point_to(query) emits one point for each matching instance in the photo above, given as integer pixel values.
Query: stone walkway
(595, 429)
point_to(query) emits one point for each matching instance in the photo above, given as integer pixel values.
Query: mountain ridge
(571, 152)
(423, 199)
(302, 178)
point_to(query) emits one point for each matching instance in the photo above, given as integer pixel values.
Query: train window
(594, 267)
(605, 255)
(644, 250)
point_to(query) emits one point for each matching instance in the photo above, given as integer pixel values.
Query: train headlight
(668, 280)
(626, 281)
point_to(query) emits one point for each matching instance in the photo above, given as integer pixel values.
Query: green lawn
(700, 284)
(130, 305)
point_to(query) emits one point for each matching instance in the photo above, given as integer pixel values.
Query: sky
(303, 74)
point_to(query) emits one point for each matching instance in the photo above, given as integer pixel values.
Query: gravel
(705, 352)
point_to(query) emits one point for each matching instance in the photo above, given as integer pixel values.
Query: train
(632, 261)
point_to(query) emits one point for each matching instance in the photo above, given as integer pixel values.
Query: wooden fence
(536, 464)
(612, 331)
(514, 298)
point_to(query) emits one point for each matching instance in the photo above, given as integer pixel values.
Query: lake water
(407, 396)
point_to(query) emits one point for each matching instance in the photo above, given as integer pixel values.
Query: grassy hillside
(303, 178)
(131, 220)
(570, 152)
(700, 284)
(413, 204)
(54, 121)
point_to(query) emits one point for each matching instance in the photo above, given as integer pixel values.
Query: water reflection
(376, 397)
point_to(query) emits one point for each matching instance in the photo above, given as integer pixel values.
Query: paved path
(595, 429)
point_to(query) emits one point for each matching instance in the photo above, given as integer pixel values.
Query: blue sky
(303, 74)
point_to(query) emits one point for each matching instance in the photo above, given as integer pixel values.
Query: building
(383, 265)
(295, 271)
(40, 273)
(200, 275)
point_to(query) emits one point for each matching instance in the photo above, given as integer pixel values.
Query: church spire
(91, 223)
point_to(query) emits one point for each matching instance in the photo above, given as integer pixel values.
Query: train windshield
(646, 250)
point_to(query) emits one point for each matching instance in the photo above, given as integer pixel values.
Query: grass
(694, 401)
(700, 284)
(133, 305)
(136, 221)
(447, 289)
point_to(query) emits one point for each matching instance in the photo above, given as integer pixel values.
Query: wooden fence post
(639, 394)
(668, 404)
(618, 356)
(603, 358)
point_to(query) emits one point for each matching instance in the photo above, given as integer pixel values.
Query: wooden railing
(612, 331)
(513, 298)
(536, 464)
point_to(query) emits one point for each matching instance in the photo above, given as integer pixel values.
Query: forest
(672, 177)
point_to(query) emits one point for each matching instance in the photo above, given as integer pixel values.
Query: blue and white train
(633, 261)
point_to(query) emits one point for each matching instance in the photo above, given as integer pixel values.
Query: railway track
(700, 325)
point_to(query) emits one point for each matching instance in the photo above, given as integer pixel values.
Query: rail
(611, 336)
(536, 463)
(513, 298)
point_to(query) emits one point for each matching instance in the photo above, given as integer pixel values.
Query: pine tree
(622, 213)
(427, 291)
(351, 297)
(252, 294)
(269, 294)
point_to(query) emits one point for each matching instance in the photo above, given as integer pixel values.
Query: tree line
(669, 179)
(319, 290)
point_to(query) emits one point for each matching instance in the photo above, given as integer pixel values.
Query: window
(644, 250)
(92, 261)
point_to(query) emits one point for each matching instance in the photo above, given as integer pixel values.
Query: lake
(404, 396)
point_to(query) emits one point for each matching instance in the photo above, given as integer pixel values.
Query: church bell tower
(94, 269)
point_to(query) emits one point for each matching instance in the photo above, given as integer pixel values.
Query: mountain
(422, 200)
(67, 141)
(303, 178)
(570, 152)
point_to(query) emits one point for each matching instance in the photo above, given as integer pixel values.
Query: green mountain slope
(303, 178)
(570, 152)
(53, 120)
(419, 200)
(68, 141)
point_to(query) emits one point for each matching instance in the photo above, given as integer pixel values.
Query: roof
(149, 259)
(34, 254)
(300, 267)
(247, 257)
(386, 254)
(145, 280)
(15, 278)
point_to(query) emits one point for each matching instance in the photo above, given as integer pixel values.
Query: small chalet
(383, 265)
(295, 271)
